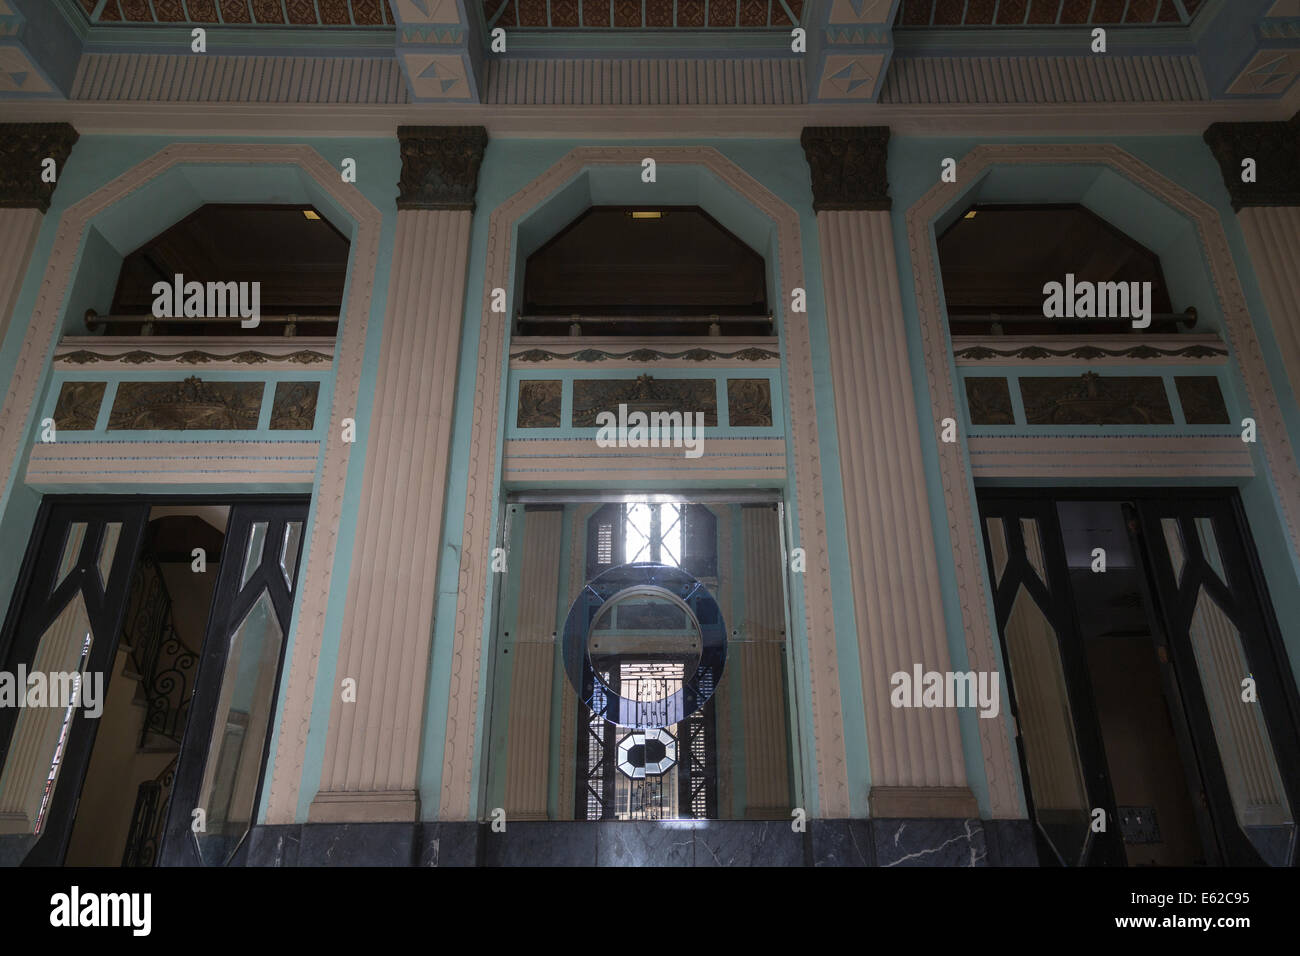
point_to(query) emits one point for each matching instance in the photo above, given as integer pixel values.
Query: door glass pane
(239, 732)
(1047, 729)
(35, 756)
(71, 549)
(289, 551)
(1033, 546)
(256, 542)
(1258, 797)
(1174, 542)
(998, 545)
(108, 549)
(1210, 546)
(727, 754)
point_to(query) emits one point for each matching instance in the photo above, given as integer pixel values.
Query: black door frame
(51, 847)
(1191, 723)
(232, 599)
(1100, 848)
(31, 612)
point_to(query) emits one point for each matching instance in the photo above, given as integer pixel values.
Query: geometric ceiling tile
(426, 11)
(1269, 73)
(850, 77)
(18, 74)
(860, 11)
(436, 77)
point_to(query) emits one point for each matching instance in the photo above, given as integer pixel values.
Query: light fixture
(310, 214)
(646, 213)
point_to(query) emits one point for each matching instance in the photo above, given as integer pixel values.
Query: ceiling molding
(648, 122)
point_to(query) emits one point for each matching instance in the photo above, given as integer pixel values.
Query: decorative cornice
(1275, 148)
(192, 357)
(440, 166)
(23, 149)
(644, 355)
(848, 166)
(981, 353)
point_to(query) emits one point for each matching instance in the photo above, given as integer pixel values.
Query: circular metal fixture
(647, 753)
(644, 645)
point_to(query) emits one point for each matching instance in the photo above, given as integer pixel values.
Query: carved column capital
(440, 166)
(848, 166)
(1275, 148)
(23, 148)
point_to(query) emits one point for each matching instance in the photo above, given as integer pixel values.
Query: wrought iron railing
(148, 817)
(164, 662)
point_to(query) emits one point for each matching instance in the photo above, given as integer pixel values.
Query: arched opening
(207, 273)
(996, 260)
(645, 271)
(1089, 656)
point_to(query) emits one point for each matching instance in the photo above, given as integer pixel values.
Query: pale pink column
(372, 747)
(917, 766)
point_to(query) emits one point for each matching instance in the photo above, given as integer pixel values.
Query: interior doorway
(641, 663)
(167, 620)
(1155, 713)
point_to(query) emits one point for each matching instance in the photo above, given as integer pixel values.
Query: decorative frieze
(997, 350)
(294, 406)
(749, 401)
(539, 404)
(24, 147)
(193, 403)
(1202, 400)
(988, 401)
(1273, 148)
(78, 405)
(643, 394)
(135, 356)
(1092, 399)
(751, 354)
(440, 166)
(848, 166)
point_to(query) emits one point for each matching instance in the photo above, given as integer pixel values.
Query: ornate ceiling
(309, 13)
(953, 13)
(650, 15)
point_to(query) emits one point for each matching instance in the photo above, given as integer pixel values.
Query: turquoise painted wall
(508, 166)
(914, 165)
(95, 161)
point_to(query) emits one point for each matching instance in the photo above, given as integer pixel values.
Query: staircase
(163, 667)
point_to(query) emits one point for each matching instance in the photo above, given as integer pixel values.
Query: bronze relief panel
(1092, 399)
(191, 404)
(643, 394)
(78, 406)
(294, 406)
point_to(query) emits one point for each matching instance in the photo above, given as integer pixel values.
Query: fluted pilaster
(528, 738)
(18, 229)
(372, 746)
(767, 777)
(894, 570)
(1273, 238)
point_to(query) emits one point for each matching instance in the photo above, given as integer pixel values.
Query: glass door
(223, 754)
(58, 649)
(1058, 734)
(1233, 670)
